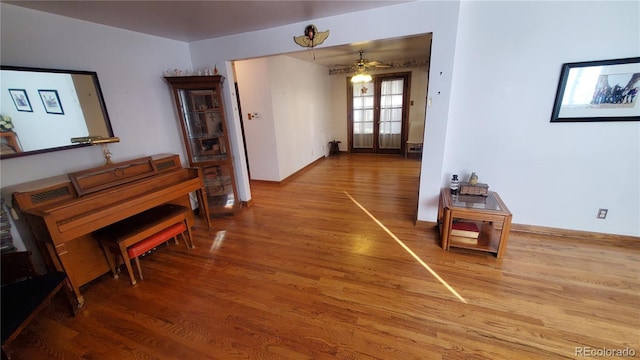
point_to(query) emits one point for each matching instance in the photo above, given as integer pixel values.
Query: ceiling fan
(359, 68)
(364, 64)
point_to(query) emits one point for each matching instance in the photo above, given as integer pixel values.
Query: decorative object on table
(477, 189)
(21, 100)
(9, 139)
(604, 90)
(6, 123)
(454, 184)
(473, 179)
(472, 199)
(312, 37)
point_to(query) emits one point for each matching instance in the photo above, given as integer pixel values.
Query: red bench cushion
(149, 243)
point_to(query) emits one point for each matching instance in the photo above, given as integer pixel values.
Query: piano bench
(132, 237)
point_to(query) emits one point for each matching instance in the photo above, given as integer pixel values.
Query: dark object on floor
(25, 293)
(334, 148)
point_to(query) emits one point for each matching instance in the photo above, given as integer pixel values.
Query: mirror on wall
(42, 109)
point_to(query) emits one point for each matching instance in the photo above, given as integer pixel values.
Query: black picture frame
(51, 101)
(21, 100)
(605, 90)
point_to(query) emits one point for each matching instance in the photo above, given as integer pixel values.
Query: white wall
(504, 84)
(130, 67)
(293, 125)
(300, 93)
(254, 87)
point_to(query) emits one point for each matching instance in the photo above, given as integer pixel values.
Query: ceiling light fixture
(361, 76)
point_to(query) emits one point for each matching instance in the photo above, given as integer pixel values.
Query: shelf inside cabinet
(204, 122)
(208, 147)
(208, 135)
(204, 99)
(209, 158)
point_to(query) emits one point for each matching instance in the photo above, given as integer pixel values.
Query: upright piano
(63, 212)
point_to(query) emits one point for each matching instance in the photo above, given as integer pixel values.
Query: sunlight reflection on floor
(452, 290)
(217, 241)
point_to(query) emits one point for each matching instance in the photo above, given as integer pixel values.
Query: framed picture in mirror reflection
(51, 101)
(21, 100)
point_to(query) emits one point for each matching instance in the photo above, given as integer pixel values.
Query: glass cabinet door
(204, 125)
(201, 110)
(219, 183)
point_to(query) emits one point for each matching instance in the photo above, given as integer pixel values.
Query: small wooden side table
(11, 139)
(489, 213)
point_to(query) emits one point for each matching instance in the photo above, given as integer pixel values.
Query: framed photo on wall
(51, 101)
(606, 90)
(20, 100)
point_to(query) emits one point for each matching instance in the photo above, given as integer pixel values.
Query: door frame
(377, 81)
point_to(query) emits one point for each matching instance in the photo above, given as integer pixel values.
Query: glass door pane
(363, 96)
(390, 125)
(203, 124)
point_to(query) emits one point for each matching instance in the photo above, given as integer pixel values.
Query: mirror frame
(103, 107)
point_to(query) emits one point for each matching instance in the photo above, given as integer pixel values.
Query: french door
(378, 114)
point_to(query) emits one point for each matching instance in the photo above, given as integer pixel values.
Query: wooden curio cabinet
(204, 129)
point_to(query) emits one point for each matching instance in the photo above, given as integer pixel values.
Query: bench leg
(190, 244)
(127, 263)
(139, 268)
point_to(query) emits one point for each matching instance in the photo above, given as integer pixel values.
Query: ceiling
(413, 50)
(184, 21)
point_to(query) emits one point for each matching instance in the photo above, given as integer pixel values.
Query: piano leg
(111, 259)
(81, 259)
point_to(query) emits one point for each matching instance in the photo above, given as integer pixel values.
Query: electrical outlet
(602, 213)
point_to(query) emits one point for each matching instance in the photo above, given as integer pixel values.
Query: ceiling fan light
(361, 78)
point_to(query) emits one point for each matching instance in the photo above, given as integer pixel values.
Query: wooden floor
(306, 274)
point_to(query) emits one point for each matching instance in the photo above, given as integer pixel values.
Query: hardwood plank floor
(306, 274)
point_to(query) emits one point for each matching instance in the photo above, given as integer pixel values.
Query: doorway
(378, 114)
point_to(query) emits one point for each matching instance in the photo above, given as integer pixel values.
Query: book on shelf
(464, 241)
(465, 229)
